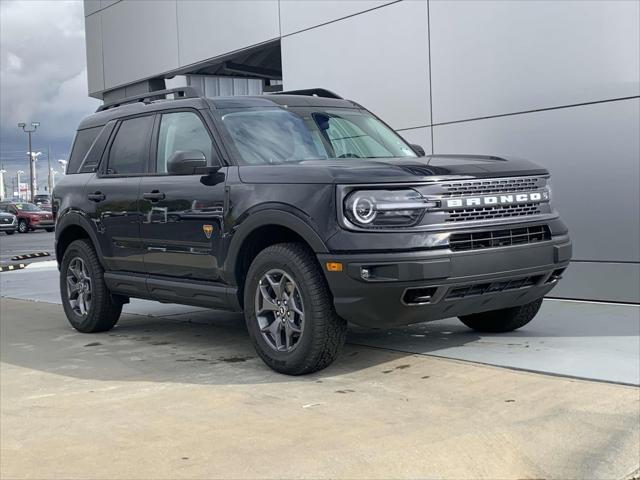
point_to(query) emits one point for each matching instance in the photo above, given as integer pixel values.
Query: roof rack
(148, 97)
(311, 92)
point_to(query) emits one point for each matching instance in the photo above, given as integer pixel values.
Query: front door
(182, 215)
(114, 191)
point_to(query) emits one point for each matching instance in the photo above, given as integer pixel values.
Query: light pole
(2, 172)
(34, 158)
(50, 169)
(52, 177)
(18, 173)
(29, 131)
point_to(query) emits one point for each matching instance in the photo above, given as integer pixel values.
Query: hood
(389, 170)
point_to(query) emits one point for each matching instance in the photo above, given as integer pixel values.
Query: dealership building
(554, 82)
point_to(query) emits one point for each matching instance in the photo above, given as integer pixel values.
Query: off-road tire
(103, 313)
(23, 226)
(324, 332)
(505, 320)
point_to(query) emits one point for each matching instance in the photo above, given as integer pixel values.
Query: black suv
(303, 210)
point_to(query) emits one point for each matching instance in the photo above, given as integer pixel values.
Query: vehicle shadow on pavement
(203, 347)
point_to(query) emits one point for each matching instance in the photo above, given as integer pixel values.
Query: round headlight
(363, 210)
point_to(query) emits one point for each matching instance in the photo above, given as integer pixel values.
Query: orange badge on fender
(208, 230)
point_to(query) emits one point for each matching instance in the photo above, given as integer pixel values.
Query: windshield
(267, 135)
(27, 207)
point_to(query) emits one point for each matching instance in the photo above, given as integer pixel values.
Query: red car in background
(30, 217)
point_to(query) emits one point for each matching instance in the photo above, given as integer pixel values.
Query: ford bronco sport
(303, 210)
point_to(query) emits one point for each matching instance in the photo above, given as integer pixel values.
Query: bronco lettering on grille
(490, 200)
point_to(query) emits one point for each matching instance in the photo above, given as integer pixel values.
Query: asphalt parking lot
(178, 392)
(20, 243)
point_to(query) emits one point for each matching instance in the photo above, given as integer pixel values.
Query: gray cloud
(42, 78)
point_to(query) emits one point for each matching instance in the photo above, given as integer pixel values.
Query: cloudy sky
(43, 78)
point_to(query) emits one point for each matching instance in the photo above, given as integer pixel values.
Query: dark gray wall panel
(610, 282)
(91, 6)
(495, 57)
(93, 38)
(378, 58)
(593, 153)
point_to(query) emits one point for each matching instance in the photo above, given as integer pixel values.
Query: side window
(129, 151)
(182, 131)
(83, 141)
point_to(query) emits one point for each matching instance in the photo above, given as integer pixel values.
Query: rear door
(182, 227)
(114, 193)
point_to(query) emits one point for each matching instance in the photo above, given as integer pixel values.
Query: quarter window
(81, 145)
(130, 149)
(181, 131)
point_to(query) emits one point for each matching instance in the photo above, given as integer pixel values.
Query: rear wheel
(504, 320)
(86, 300)
(23, 226)
(289, 311)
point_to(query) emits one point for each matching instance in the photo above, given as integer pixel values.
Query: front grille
(481, 187)
(492, 287)
(501, 211)
(499, 238)
(7, 220)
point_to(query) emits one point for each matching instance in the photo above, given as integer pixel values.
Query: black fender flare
(263, 218)
(75, 218)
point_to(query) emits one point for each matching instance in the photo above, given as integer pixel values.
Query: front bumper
(43, 224)
(405, 288)
(8, 227)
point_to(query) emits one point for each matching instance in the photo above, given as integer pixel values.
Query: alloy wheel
(79, 286)
(279, 310)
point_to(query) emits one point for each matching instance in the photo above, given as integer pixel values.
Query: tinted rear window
(81, 145)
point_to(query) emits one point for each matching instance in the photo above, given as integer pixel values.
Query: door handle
(154, 196)
(96, 196)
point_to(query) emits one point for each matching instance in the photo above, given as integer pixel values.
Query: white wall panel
(420, 136)
(494, 57)
(377, 58)
(296, 15)
(211, 29)
(93, 38)
(139, 40)
(593, 153)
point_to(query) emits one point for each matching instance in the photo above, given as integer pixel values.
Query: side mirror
(418, 149)
(186, 162)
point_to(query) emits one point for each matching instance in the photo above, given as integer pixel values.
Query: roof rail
(311, 92)
(148, 97)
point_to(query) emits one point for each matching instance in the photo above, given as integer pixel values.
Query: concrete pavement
(184, 396)
(178, 392)
(578, 339)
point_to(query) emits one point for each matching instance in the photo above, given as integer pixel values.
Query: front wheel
(49, 229)
(10, 232)
(504, 320)
(85, 298)
(23, 226)
(289, 311)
